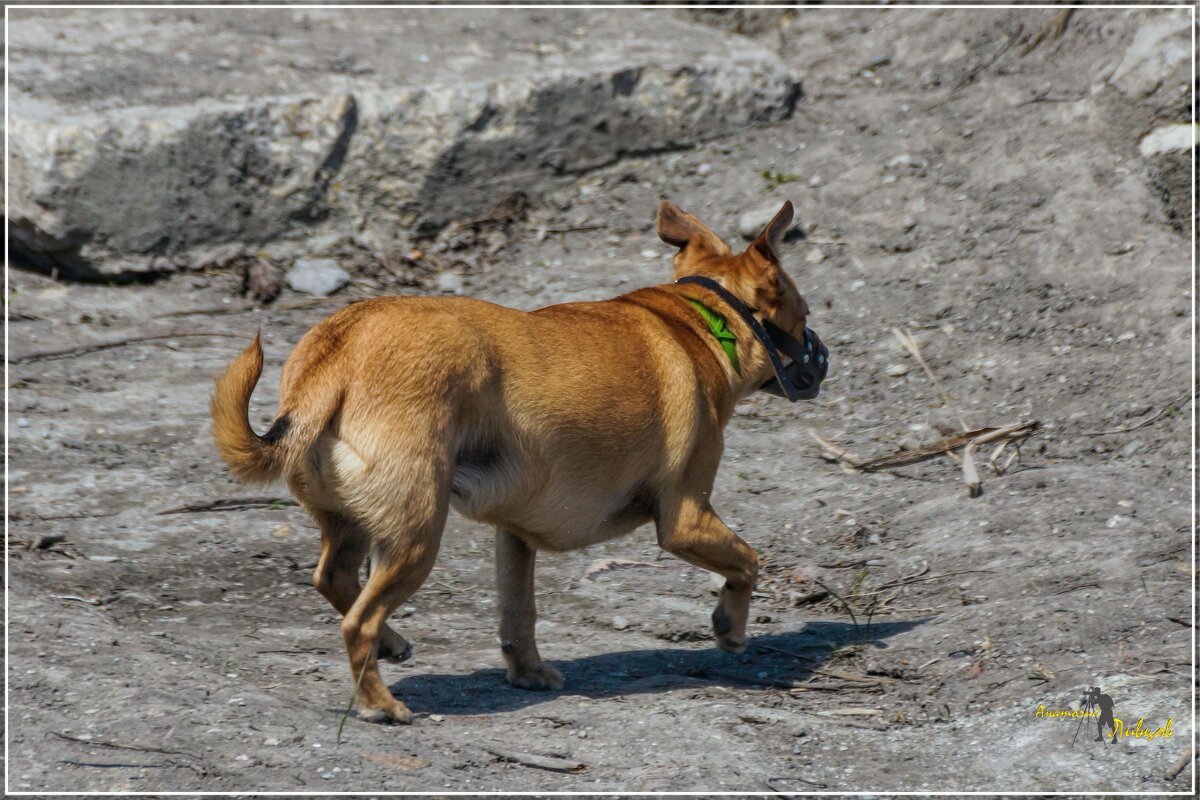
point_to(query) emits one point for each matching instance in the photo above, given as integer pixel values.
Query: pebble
(450, 282)
(283, 531)
(22, 423)
(620, 623)
(704, 169)
(897, 370)
(324, 773)
(752, 223)
(271, 741)
(436, 718)
(1170, 138)
(815, 256)
(319, 277)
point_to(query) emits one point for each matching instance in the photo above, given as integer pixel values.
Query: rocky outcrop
(155, 139)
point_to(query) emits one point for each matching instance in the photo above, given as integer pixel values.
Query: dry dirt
(991, 201)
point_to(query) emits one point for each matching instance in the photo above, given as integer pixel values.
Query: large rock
(149, 139)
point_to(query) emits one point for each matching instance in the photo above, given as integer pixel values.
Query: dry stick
(350, 705)
(231, 504)
(905, 457)
(540, 762)
(240, 309)
(995, 456)
(115, 746)
(907, 581)
(71, 763)
(1051, 31)
(95, 348)
(1180, 765)
(770, 783)
(841, 676)
(910, 344)
(846, 605)
(1143, 423)
(970, 474)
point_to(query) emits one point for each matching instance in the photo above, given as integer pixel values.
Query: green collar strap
(720, 331)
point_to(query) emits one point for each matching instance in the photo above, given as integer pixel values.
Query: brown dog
(562, 427)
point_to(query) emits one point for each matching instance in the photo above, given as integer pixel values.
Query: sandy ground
(1023, 242)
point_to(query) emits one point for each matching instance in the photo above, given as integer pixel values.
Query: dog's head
(755, 276)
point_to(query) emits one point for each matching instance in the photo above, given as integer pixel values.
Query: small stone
(436, 718)
(22, 423)
(815, 181)
(815, 256)
(271, 741)
(897, 370)
(450, 282)
(752, 223)
(324, 773)
(716, 582)
(620, 623)
(1170, 138)
(284, 531)
(319, 277)
(1132, 449)
(704, 169)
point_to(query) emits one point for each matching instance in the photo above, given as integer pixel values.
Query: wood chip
(552, 763)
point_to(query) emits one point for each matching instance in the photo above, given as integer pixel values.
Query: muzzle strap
(811, 357)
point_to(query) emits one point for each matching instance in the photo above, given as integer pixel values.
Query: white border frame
(303, 5)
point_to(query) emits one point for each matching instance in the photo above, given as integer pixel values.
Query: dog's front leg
(691, 530)
(518, 614)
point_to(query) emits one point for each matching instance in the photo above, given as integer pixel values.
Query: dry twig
(231, 504)
(95, 348)
(902, 458)
(909, 343)
(551, 763)
(1174, 404)
(1181, 764)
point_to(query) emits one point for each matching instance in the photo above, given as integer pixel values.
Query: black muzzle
(800, 379)
(808, 366)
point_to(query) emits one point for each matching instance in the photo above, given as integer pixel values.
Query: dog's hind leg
(405, 533)
(691, 530)
(344, 544)
(518, 614)
(394, 578)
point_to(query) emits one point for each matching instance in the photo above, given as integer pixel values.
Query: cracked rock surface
(154, 139)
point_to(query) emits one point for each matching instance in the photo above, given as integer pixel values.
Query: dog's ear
(678, 228)
(767, 243)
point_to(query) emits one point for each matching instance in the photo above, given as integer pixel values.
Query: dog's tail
(253, 458)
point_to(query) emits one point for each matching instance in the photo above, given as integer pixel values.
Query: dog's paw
(723, 627)
(393, 647)
(541, 678)
(730, 645)
(394, 713)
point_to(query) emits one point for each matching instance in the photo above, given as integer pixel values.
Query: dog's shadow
(771, 660)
